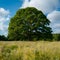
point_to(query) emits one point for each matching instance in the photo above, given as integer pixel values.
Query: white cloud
(3, 12)
(44, 5)
(54, 17)
(4, 17)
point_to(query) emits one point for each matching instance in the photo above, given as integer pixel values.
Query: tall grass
(30, 50)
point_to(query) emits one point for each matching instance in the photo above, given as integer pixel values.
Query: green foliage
(3, 38)
(29, 24)
(56, 37)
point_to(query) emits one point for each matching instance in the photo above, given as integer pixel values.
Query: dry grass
(40, 50)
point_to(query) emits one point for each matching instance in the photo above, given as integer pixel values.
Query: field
(39, 50)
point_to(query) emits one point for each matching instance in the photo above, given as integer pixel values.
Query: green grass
(39, 50)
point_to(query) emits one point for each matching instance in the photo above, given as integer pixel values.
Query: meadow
(26, 50)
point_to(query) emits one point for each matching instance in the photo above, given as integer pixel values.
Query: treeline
(56, 37)
(3, 38)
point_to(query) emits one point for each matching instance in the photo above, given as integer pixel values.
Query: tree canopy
(29, 24)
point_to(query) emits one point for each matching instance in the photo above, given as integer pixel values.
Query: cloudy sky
(8, 8)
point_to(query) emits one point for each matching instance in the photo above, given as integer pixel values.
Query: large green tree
(29, 24)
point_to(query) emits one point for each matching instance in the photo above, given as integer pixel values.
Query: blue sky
(8, 8)
(11, 5)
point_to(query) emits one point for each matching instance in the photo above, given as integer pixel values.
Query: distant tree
(29, 24)
(56, 37)
(3, 38)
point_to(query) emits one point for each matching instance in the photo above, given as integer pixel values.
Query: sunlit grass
(39, 50)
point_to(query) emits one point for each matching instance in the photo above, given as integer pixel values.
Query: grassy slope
(29, 50)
